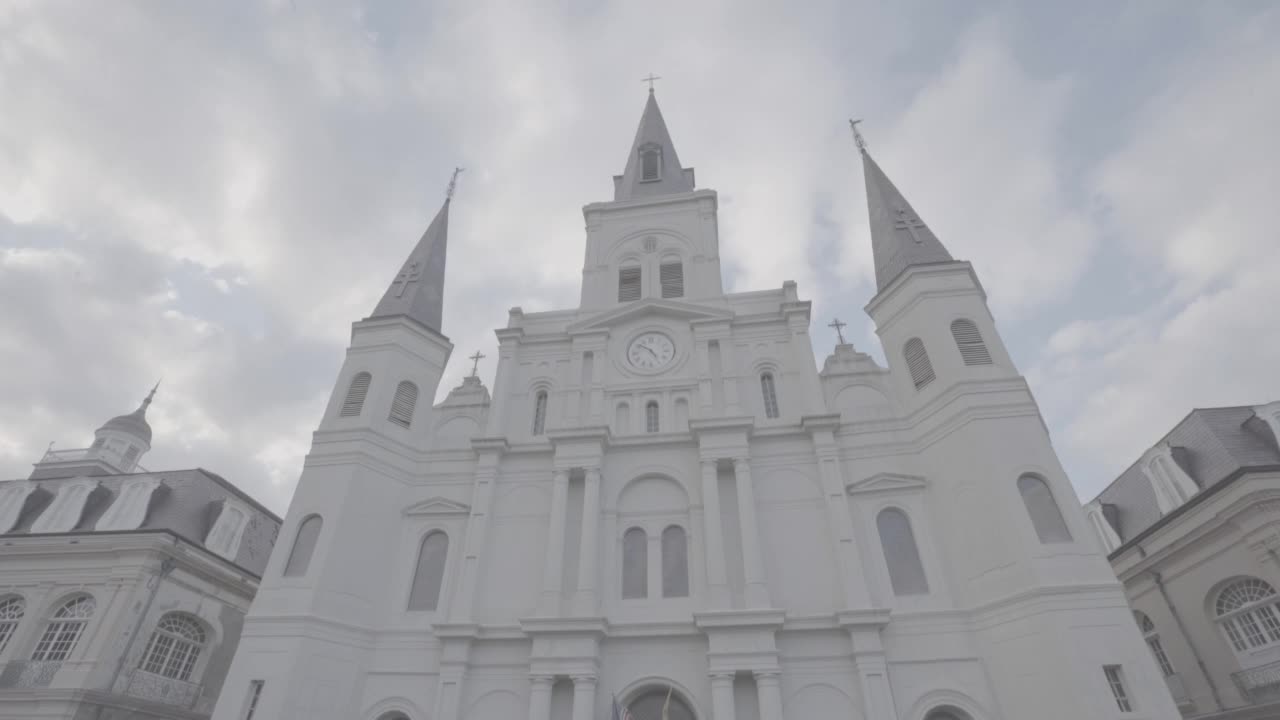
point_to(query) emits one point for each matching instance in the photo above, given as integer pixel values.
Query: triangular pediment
(886, 482)
(438, 506)
(649, 308)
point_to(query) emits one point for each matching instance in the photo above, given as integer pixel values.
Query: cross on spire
(858, 140)
(475, 362)
(650, 80)
(839, 327)
(908, 221)
(410, 274)
(453, 183)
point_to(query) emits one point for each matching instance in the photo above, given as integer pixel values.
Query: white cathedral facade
(664, 498)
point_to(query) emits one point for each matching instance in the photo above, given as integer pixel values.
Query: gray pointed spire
(899, 238)
(653, 152)
(418, 289)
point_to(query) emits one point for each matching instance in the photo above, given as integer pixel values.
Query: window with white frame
(304, 545)
(174, 647)
(1249, 612)
(622, 419)
(402, 406)
(675, 562)
(356, 393)
(64, 629)
(1152, 637)
(635, 564)
(1115, 679)
(918, 362)
(1045, 514)
(651, 416)
(428, 576)
(901, 554)
(12, 609)
(540, 412)
(769, 393)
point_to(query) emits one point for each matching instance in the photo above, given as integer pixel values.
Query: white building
(1193, 528)
(665, 496)
(122, 591)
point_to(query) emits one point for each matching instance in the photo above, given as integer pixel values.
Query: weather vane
(839, 326)
(650, 80)
(858, 140)
(453, 183)
(475, 362)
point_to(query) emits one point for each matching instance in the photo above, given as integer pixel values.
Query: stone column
(722, 696)
(769, 695)
(717, 579)
(585, 602)
(553, 568)
(540, 697)
(584, 697)
(757, 594)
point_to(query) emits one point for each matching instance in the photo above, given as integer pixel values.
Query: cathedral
(665, 510)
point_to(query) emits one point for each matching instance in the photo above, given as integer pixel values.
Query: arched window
(356, 393)
(429, 575)
(393, 715)
(1249, 612)
(671, 275)
(1043, 509)
(402, 405)
(681, 414)
(622, 419)
(648, 705)
(901, 555)
(11, 611)
(629, 283)
(540, 412)
(675, 563)
(770, 394)
(1152, 637)
(635, 564)
(972, 350)
(650, 162)
(651, 416)
(303, 546)
(64, 629)
(174, 647)
(918, 362)
(946, 713)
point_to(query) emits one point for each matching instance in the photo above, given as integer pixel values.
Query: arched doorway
(947, 713)
(647, 705)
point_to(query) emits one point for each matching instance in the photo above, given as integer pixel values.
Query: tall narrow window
(130, 457)
(628, 284)
(650, 162)
(972, 350)
(174, 647)
(1115, 678)
(64, 629)
(635, 564)
(251, 700)
(1249, 612)
(770, 395)
(11, 611)
(651, 416)
(1149, 634)
(675, 563)
(1043, 509)
(303, 546)
(918, 362)
(540, 412)
(901, 555)
(671, 273)
(402, 406)
(622, 419)
(429, 575)
(356, 393)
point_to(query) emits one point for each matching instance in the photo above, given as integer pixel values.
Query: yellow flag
(666, 705)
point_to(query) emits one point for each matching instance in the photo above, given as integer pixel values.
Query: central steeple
(418, 289)
(899, 238)
(652, 167)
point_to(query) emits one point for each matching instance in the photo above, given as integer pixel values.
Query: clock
(651, 351)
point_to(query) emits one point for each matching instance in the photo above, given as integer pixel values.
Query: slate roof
(899, 237)
(673, 179)
(1212, 445)
(186, 503)
(417, 291)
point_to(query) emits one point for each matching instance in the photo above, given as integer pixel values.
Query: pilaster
(553, 565)
(757, 591)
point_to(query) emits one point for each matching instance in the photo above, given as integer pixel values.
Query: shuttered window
(969, 341)
(402, 406)
(650, 163)
(354, 402)
(671, 273)
(918, 362)
(628, 284)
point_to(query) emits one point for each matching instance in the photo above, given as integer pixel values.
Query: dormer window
(650, 163)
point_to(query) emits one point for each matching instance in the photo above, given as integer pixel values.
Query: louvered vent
(672, 276)
(131, 454)
(628, 284)
(969, 340)
(402, 406)
(354, 403)
(918, 362)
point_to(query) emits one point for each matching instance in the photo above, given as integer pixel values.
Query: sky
(212, 192)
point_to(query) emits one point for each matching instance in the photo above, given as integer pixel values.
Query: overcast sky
(213, 192)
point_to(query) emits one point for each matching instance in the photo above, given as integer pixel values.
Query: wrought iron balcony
(1261, 683)
(158, 688)
(28, 673)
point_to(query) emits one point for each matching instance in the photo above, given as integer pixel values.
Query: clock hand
(651, 352)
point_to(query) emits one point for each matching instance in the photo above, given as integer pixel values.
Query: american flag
(619, 712)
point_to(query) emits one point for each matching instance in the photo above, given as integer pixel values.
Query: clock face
(651, 351)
